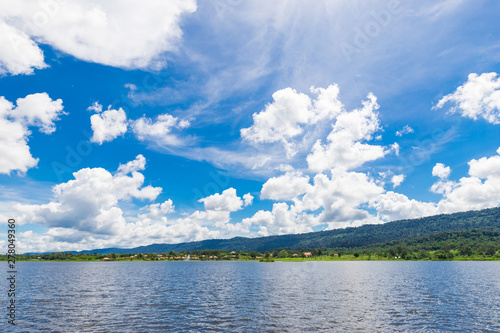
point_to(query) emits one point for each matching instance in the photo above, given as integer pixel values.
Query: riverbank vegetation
(459, 245)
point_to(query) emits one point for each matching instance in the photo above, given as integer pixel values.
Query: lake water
(256, 297)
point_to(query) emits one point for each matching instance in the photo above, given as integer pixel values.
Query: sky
(126, 124)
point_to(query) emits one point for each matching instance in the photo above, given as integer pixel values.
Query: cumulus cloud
(396, 180)
(344, 147)
(227, 201)
(135, 36)
(148, 229)
(340, 196)
(344, 198)
(285, 187)
(36, 110)
(314, 127)
(136, 165)
(290, 113)
(335, 201)
(18, 54)
(160, 131)
(392, 206)
(479, 190)
(479, 97)
(485, 167)
(247, 199)
(441, 171)
(157, 210)
(406, 130)
(107, 125)
(90, 202)
(283, 219)
(110, 124)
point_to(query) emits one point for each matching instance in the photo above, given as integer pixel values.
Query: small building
(307, 254)
(295, 255)
(106, 259)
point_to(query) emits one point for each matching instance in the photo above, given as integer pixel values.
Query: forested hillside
(487, 219)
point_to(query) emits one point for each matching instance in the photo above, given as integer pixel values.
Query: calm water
(257, 297)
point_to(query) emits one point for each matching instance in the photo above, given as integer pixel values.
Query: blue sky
(126, 124)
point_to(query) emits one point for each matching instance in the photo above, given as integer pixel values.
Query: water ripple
(259, 297)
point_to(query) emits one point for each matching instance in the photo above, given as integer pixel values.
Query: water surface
(258, 297)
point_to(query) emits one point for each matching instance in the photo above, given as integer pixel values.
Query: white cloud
(281, 119)
(406, 130)
(160, 131)
(396, 180)
(478, 191)
(36, 110)
(288, 115)
(336, 201)
(18, 54)
(90, 202)
(297, 125)
(283, 219)
(146, 230)
(441, 171)
(393, 206)
(110, 124)
(247, 199)
(136, 165)
(285, 187)
(227, 201)
(135, 36)
(344, 147)
(485, 167)
(107, 125)
(479, 97)
(158, 210)
(340, 196)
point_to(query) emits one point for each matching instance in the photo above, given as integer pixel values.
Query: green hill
(364, 236)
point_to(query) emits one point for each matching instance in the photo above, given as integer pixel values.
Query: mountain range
(366, 235)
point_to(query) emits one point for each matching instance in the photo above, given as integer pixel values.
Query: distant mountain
(487, 219)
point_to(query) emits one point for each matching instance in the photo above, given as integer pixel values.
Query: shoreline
(274, 260)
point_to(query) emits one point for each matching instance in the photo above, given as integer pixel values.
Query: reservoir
(237, 296)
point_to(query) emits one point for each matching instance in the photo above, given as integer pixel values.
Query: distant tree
(254, 254)
(423, 254)
(465, 250)
(488, 249)
(283, 254)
